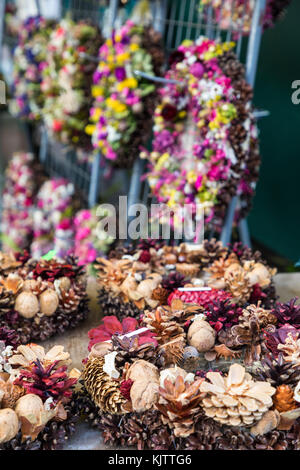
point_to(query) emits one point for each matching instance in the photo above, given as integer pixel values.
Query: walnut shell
(201, 335)
(49, 302)
(27, 304)
(100, 349)
(144, 391)
(9, 425)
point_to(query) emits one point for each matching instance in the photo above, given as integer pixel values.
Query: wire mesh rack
(176, 20)
(184, 19)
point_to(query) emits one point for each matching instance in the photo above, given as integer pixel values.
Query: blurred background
(274, 220)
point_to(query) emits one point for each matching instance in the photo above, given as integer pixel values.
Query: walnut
(144, 391)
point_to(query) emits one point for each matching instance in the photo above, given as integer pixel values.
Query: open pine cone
(236, 399)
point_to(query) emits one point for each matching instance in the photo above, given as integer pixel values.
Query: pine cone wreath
(104, 391)
(284, 399)
(7, 301)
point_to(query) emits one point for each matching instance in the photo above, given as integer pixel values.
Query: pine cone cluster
(104, 391)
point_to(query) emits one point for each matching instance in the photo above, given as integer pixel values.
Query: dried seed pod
(49, 302)
(9, 425)
(27, 304)
(201, 335)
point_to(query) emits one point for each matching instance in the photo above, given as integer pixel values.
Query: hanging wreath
(237, 14)
(205, 147)
(123, 105)
(67, 80)
(29, 61)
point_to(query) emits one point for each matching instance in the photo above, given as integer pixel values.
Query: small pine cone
(7, 301)
(12, 393)
(187, 270)
(209, 252)
(104, 391)
(161, 295)
(284, 399)
(239, 286)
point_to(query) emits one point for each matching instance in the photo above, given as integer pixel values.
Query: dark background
(275, 218)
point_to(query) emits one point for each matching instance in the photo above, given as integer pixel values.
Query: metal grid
(179, 20)
(84, 9)
(176, 21)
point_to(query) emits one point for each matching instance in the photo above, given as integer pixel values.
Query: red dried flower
(145, 257)
(169, 112)
(125, 388)
(202, 298)
(111, 326)
(51, 270)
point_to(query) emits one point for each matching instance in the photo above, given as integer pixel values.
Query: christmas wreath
(205, 147)
(132, 281)
(67, 80)
(237, 14)
(41, 298)
(123, 106)
(196, 377)
(29, 61)
(36, 389)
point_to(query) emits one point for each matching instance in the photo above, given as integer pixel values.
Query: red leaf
(129, 324)
(112, 325)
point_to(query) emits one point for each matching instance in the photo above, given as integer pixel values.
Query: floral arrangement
(67, 80)
(205, 147)
(29, 61)
(20, 187)
(41, 298)
(53, 219)
(35, 394)
(237, 14)
(90, 241)
(131, 282)
(123, 106)
(199, 387)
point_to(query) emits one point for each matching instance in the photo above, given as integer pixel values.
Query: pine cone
(210, 251)
(278, 372)
(182, 405)
(284, 399)
(187, 270)
(104, 391)
(159, 322)
(113, 305)
(264, 317)
(173, 281)
(219, 266)
(235, 400)
(12, 393)
(239, 286)
(129, 350)
(7, 301)
(161, 295)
